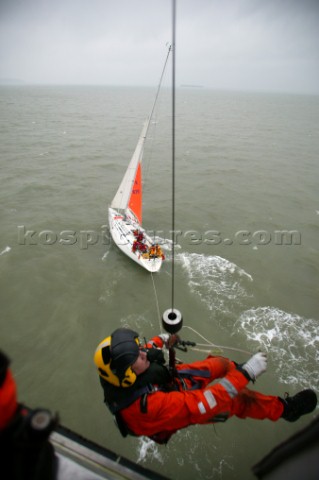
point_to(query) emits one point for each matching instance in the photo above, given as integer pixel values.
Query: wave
(148, 450)
(6, 250)
(105, 255)
(291, 340)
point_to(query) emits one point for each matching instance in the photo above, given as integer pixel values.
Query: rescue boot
(300, 404)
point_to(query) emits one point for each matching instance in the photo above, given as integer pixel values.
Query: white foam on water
(187, 447)
(166, 243)
(148, 450)
(220, 284)
(291, 340)
(105, 255)
(6, 250)
(222, 468)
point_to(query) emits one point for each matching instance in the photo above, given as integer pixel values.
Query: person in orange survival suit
(8, 393)
(147, 399)
(25, 452)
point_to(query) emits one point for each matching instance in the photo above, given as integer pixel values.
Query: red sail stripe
(135, 202)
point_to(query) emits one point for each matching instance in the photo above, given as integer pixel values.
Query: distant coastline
(11, 81)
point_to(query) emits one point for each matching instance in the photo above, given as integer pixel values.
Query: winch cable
(173, 146)
(172, 318)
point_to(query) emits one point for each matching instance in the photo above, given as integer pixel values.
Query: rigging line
(157, 304)
(152, 139)
(147, 164)
(210, 344)
(153, 108)
(220, 348)
(173, 46)
(159, 86)
(155, 101)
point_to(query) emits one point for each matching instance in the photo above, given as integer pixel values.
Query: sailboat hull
(122, 228)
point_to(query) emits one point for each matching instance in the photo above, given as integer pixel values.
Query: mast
(122, 198)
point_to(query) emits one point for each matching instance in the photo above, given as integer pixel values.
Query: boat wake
(220, 284)
(291, 340)
(226, 291)
(166, 244)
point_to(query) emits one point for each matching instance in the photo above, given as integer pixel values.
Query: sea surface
(246, 254)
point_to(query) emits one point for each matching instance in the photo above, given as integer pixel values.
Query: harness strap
(140, 392)
(194, 372)
(143, 403)
(116, 407)
(143, 392)
(189, 373)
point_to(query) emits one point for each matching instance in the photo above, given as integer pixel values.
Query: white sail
(122, 196)
(125, 212)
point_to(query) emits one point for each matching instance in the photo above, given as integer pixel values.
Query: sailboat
(126, 209)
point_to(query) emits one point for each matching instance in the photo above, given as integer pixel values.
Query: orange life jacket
(8, 393)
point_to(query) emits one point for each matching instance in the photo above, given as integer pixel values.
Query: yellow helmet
(115, 355)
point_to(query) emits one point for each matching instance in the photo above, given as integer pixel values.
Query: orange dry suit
(158, 405)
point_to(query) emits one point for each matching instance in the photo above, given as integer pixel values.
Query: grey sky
(270, 45)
